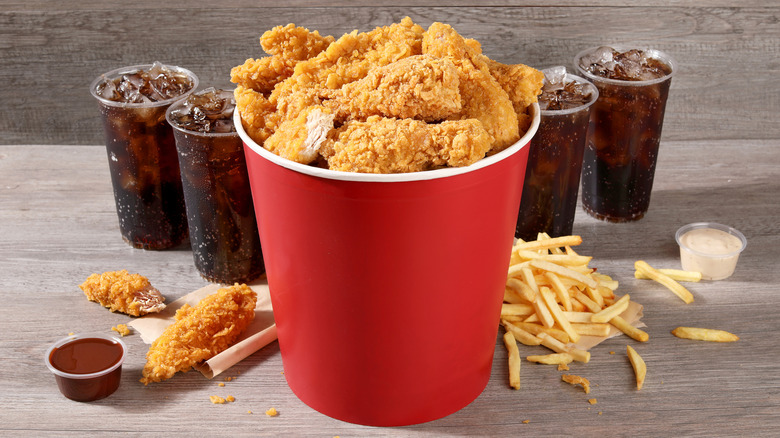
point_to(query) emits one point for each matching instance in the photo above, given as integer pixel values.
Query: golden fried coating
(287, 45)
(388, 145)
(482, 96)
(420, 86)
(258, 116)
(299, 139)
(123, 292)
(200, 332)
(434, 98)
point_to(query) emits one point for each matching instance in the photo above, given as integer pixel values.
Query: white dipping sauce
(710, 251)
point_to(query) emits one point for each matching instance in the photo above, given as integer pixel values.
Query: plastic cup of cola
(141, 152)
(552, 176)
(710, 248)
(87, 367)
(220, 213)
(620, 157)
(364, 270)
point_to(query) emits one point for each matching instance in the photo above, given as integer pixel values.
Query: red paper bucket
(387, 289)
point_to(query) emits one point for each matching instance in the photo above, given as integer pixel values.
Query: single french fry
(514, 360)
(587, 302)
(591, 329)
(551, 359)
(560, 290)
(522, 289)
(640, 368)
(536, 328)
(663, 279)
(612, 311)
(545, 317)
(606, 292)
(674, 274)
(633, 332)
(516, 309)
(557, 314)
(581, 317)
(563, 271)
(520, 335)
(555, 242)
(558, 347)
(595, 295)
(514, 269)
(704, 334)
(528, 277)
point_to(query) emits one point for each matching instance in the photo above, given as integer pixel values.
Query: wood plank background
(726, 87)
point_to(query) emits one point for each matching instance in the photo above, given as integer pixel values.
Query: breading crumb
(122, 329)
(592, 401)
(563, 367)
(217, 400)
(526, 421)
(577, 380)
(220, 384)
(230, 398)
(272, 412)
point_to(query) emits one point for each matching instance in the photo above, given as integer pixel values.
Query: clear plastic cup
(144, 166)
(99, 360)
(710, 248)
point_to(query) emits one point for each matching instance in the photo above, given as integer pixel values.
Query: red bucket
(387, 289)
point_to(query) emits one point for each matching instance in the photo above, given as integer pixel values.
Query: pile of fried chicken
(397, 99)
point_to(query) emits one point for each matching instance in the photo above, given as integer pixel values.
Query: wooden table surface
(58, 225)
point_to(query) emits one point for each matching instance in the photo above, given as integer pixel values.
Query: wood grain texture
(58, 225)
(725, 88)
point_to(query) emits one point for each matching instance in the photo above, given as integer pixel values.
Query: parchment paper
(260, 333)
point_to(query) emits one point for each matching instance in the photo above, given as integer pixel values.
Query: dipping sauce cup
(87, 367)
(710, 248)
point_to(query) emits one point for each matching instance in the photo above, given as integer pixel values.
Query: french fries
(514, 360)
(654, 274)
(640, 369)
(674, 274)
(704, 334)
(553, 298)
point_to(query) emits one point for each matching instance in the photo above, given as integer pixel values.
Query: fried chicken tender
(399, 98)
(420, 86)
(258, 116)
(482, 96)
(299, 139)
(200, 332)
(348, 59)
(123, 292)
(287, 45)
(388, 145)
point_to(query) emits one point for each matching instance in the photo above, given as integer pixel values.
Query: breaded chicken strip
(123, 292)
(200, 332)
(523, 85)
(422, 87)
(387, 145)
(482, 96)
(258, 116)
(299, 139)
(348, 59)
(287, 45)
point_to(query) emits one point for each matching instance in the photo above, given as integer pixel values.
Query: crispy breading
(482, 96)
(287, 45)
(299, 139)
(421, 86)
(123, 292)
(388, 145)
(200, 332)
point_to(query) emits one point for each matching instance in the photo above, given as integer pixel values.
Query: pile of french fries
(553, 298)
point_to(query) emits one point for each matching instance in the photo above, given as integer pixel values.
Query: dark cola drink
(220, 211)
(552, 175)
(626, 121)
(141, 151)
